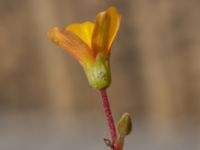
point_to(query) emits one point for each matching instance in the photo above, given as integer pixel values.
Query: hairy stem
(109, 116)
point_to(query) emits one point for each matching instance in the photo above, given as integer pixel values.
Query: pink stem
(108, 114)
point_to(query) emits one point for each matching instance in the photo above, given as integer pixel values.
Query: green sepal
(98, 74)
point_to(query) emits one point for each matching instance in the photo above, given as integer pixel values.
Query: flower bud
(124, 126)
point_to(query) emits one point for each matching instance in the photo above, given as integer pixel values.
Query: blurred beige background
(45, 100)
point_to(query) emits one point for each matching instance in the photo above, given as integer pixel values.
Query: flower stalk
(109, 115)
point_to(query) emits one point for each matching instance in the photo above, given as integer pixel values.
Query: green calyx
(98, 74)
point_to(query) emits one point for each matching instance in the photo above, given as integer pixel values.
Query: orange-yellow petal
(105, 30)
(73, 44)
(83, 31)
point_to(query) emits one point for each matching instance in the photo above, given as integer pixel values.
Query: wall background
(45, 100)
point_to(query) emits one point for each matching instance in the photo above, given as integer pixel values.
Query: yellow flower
(91, 43)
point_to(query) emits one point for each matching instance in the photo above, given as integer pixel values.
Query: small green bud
(98, 74)
(124, 126)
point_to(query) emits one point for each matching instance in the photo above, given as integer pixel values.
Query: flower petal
(73, 44)
(105, 30)
(83, 31)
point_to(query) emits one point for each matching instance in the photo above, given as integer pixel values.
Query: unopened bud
(124, 125)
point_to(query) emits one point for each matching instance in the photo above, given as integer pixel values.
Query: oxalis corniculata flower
(90, 43)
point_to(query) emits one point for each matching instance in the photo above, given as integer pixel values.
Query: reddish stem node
(109, 116)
